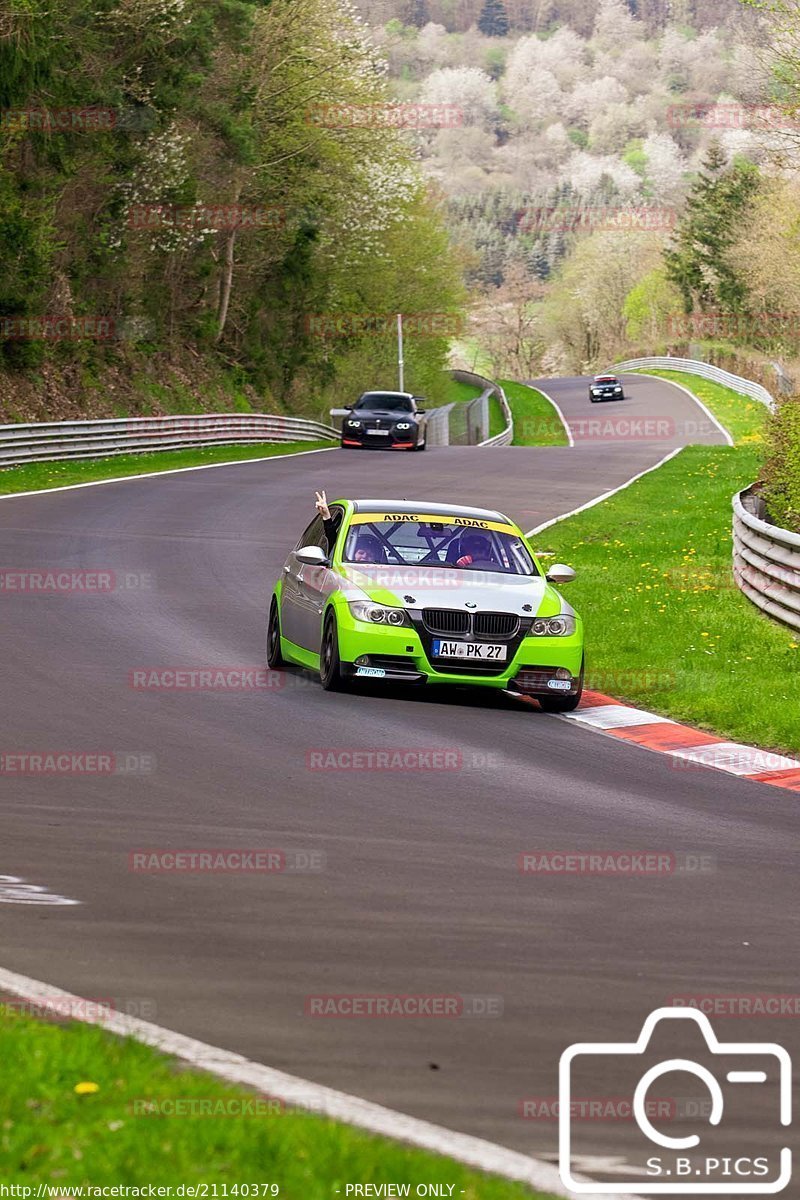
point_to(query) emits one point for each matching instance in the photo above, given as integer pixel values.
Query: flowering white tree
(589, 99)
(539, 100)
(467, 88)
(614, 27)
(585, 173)
(666, 167)
(563, 56)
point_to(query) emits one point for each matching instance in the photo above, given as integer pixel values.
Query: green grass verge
(462, 392)
(36, 476)
(536, 422)
(666, 626)
(51, 1134)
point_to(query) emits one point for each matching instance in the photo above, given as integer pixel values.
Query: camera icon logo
(660, 1162)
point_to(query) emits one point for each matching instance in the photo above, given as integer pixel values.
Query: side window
(337, 515)
(314, 535)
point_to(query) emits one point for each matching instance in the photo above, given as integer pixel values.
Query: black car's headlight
(563, 626)
(403, 425)
(353, 424)
(377, 614)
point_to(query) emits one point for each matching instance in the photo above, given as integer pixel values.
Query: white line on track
(237, 462)
(557, 407)
(606, 495)
(301, 1093)
(691, 395)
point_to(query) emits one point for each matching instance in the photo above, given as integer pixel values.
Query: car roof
(428, 507)
(387, 392)
(601, 378)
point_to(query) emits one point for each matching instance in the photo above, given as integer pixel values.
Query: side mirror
(312, 556)
(559, 573)
(420, 410)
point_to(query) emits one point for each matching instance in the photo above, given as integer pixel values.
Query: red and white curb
(686, 746)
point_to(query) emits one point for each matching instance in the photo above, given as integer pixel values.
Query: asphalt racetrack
(420, 892)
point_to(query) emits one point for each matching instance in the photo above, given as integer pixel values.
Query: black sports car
(386, 420)
(605, 387)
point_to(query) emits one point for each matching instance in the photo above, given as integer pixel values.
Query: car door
(316, 585)
(293, 599)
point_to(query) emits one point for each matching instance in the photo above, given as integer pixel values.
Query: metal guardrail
(691, 366)
(766, 560)
(490, 389)
(52, 440)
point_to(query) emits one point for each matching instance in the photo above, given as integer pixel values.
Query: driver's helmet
(477, 546)
(369, 549)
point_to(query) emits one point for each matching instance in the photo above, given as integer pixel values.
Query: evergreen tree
(493, 21)
(697, 260)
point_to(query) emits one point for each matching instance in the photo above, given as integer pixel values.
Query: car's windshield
(422, 541)
(386, 401)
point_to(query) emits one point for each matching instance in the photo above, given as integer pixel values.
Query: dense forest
(174, 211)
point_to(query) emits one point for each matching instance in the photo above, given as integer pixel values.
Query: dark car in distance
(386, 421)
(605, 387)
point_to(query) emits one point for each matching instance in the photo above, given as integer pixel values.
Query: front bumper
(401, 653)
(361, 439)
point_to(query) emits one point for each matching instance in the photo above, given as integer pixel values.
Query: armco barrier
(490, 388)
(766, 560)
(53, 440)
(690, 366)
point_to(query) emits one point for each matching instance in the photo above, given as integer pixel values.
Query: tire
(275, 659)
(330, 665)
(563, 704)
(419, 448)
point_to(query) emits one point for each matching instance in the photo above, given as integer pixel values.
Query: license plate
(378, 432)
(370, 673)
(480, 651)
(559, 685)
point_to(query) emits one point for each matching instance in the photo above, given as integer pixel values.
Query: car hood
(384, 412)
(445, 587)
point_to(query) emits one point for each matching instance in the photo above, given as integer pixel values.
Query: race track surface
(420, 893)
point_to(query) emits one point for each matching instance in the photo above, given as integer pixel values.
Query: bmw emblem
(470, 605)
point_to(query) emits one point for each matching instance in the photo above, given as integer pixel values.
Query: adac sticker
(432, 519)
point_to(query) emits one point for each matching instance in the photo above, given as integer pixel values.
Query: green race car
(425, 593)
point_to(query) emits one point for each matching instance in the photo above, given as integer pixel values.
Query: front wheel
(275, 659)
(421, 447)
(330, 665)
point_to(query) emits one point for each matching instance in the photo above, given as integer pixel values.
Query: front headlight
(403, 425)
(553, 626)
(617, 389)
(353, 424)
(377, 614)
(597, 391)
